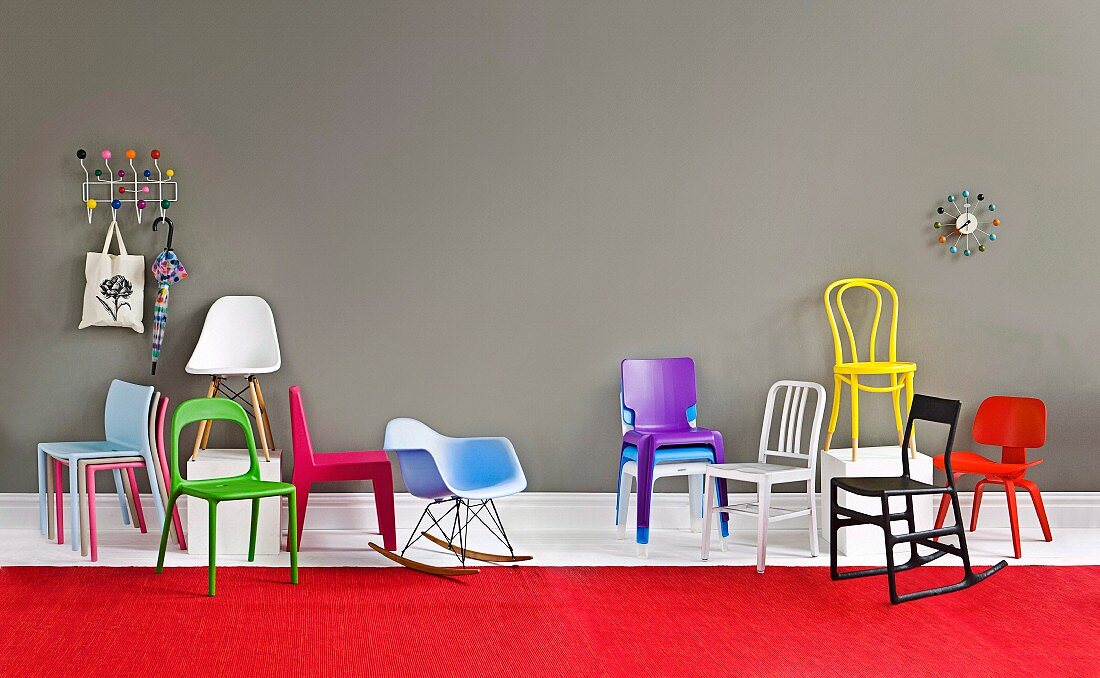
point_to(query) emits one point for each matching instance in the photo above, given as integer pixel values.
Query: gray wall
(470, 212)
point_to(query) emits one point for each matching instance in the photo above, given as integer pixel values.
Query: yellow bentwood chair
(850, 371)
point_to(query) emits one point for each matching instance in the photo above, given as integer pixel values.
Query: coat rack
(118, 189)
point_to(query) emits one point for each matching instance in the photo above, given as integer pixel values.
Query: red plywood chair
(1014, 424)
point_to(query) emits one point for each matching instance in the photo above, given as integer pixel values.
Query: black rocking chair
(925, 408)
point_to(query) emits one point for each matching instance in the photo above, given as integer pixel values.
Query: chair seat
(348, 458)
(231, 370)
(504, 488)
(877, 487)
(877, 367)
(85, 449)
(971, 462)
(753, 472)
(229, 489)
(671, 455)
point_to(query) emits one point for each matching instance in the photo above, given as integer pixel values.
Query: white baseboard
(578, 510)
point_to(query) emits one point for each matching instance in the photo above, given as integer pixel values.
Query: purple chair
(660, 396)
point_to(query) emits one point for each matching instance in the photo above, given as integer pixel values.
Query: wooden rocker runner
(238, 340)
(463, 474)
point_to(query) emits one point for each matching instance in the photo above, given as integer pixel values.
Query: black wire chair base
(462, 513)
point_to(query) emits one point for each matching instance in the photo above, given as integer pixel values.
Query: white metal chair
(765, 474)
(238, 339)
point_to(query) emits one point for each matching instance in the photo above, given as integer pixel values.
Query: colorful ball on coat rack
(965, 193)
(122, 190)
(981, 248)
(170, 173)
(131, 153)
(106, 154)
(91, 204)
(165, 204)
(953, 249)
(992, 236)
(991, 207)
(939, 210)
(147, 174)
(154, 154)
(116, 203)
(966, 252)
(950, 198)
(996, 222)
(943, 239)
(141, 204)
(144, 189)
(121, 173)
(99, 173)
(937, 225)
(81, 153)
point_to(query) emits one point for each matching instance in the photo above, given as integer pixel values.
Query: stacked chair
(133, 422)
(660, 439)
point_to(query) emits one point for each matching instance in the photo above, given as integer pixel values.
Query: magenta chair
(659, 397)
(309, 468)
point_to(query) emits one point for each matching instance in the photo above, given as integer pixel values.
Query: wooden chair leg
(1040, 510)
(209, 424)
(908, 408)
(834, 413)
(259, 417)
(979, 489)
(263, 412)
(855, 416)
(203, 435)
(1013, 516)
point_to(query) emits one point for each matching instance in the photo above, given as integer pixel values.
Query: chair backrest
(238, 334)
(659, 394)
(126, 415)
(414, 441)
(214, 409)
(936, 410)
(790, 442)
(876, 288)
(1013, 423)
(299, 429)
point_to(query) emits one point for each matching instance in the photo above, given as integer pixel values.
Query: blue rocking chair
(461, 477)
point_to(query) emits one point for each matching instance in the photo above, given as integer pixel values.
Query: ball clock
(968, 227)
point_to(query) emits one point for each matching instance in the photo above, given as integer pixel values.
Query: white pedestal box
(873, 462)
(234, 517)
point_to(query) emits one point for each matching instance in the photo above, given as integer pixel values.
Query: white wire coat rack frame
(152, 188)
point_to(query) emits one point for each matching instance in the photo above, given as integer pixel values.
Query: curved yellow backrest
(875, 287)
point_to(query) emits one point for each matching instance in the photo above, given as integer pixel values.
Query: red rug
(531, 621)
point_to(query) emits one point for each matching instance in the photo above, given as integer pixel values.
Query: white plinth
(872, 462)
(234, 517)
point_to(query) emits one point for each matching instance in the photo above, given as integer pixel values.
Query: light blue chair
(464, 475)
(126, 429)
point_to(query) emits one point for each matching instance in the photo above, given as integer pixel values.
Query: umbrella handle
(171, 229)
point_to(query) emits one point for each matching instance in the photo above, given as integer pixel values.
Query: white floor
(127, 547)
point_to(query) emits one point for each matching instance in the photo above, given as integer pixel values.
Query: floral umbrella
(168, 271)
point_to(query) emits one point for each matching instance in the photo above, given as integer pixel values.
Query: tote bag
(114, 295)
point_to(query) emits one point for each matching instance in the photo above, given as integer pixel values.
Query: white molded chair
(238, 339)
(766, 474)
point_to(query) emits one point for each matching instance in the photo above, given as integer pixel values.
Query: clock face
(970, 223)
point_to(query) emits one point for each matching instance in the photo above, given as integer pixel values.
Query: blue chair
(464, 475)
(126, 429)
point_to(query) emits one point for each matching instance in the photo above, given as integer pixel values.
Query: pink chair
(309, 468)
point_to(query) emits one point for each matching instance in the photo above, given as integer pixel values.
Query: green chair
(215, 490)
